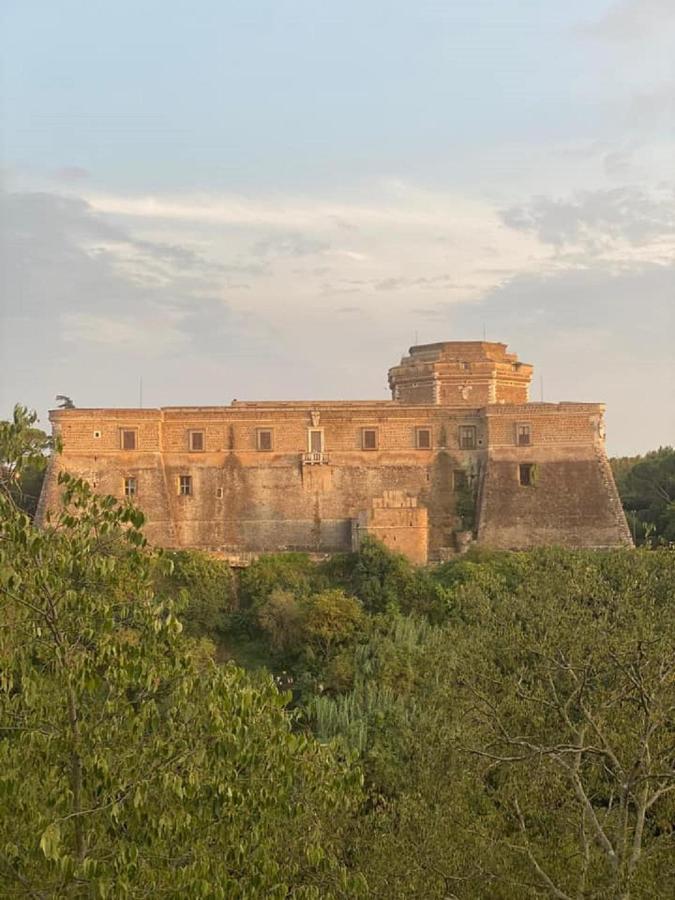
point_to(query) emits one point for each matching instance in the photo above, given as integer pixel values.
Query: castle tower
(460, 373)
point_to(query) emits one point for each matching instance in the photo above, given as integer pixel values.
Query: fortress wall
(570, 500)
(76, 428)
(550, 423)
(246, 499)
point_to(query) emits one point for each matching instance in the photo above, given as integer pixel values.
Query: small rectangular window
(459, 480)
(97, 434)
(315, 441)
(523, 435)
(185, 485)
(128, 438)
(369, 438)
(264, 438)
(219, 493)
(467, 437)
(526, 474)
(423, 438)
(196, 441)
(130, 487)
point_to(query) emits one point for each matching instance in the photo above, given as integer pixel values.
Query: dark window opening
(316, 441)
(219, 493)
(526, 474)
(185, 485)
(423, 438)
(524, 434)
(369, 438)
(128, 439)
(264, 438)
(130, 487)
(196, 440)
(467, 437)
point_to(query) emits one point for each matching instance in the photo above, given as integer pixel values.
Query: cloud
(632, 20)
(290, 245)
(654, 108)
(594, 219)
(419, 209)
(85, 278)
(71, 173)
(146, 333)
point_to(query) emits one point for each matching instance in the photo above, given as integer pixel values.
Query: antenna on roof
(541, 388)
(484, 332)
(140, 392)
(415, 338)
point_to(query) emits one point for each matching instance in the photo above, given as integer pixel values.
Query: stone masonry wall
(394, 468)
(244, 499)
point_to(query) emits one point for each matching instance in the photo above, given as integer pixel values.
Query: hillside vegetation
(500, 726)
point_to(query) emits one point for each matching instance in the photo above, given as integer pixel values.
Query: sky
(274, 199)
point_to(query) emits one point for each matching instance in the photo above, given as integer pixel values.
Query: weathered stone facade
(458, 452)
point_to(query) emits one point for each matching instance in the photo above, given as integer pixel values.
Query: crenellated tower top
(460, 373)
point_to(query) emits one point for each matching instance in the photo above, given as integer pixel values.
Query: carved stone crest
(465, 390)
(315, 417)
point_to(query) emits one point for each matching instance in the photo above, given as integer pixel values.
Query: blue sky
(273, 199)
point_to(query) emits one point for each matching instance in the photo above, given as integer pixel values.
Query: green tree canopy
(647, 488)
(23, 458)
(128, 766)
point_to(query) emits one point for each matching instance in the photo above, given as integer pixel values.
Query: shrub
(208, 588)
(292, 572)
(280, 618)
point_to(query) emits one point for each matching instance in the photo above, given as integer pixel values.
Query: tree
(208, 586)
(383, 580)
(23, 458)
(523, 749)
(647, 488)
(128, 766)
(571, 704)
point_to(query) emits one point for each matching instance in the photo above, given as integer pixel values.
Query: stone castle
(458, 454)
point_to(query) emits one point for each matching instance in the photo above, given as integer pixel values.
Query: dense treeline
(647, 488)
(499, 726)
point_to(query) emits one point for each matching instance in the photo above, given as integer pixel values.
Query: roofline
(308, 405)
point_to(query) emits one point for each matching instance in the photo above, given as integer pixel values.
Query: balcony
(314, 458)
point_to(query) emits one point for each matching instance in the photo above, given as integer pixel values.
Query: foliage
(208, 587)
(511, 713)
(465, 504)
(646, 485)
(310, 627)
(383, 580)
(130, 765)
(534, 757)
(280, 618)
(293, 572)
(23, 460)
(330, 618)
